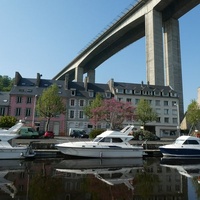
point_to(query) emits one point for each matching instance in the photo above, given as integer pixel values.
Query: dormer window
(91, 93)
(108, 94)
(73, 92)
(128, 91)
(164, 93)
(137, 92)
(156, 93)
(120, 91)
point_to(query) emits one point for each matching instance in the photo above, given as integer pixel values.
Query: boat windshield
(97, 139)
(179, 141)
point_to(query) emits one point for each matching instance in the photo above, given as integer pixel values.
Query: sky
(43, 36)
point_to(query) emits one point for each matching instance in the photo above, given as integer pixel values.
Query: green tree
(7, 121)
(193, 114)
(50, 104)
(145, 113)
(97, 102)
(6, 83)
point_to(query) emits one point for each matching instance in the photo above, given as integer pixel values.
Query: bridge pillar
(91, 76)
(154, 48)
(173, 59)
(78, 74)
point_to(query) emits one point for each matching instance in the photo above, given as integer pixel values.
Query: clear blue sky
(43, 36)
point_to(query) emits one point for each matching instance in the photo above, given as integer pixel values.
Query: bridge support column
(173, 59)
(79, 74)
(91, 76)
(154, 48)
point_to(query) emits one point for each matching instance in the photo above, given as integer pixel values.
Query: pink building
(23, 100)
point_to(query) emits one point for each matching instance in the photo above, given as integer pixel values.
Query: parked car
(28, 132)
(79, 134)
(48, 134)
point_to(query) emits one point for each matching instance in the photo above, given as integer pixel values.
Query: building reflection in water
(58, 179)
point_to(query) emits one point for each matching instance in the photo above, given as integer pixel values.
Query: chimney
(38, 79)
(17, 78)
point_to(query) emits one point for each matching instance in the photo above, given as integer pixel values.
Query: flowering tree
(112, 111)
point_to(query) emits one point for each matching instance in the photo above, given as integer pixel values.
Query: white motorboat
(184, 146)
(110, 171)
(109, 144)
(8, 150)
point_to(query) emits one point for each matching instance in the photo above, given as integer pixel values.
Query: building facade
(22, 100)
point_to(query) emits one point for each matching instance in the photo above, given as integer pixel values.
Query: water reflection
(99, 179)
(110, 171)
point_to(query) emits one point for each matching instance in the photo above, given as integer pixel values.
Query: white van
(71, 130)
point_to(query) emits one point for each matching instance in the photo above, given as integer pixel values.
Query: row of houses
(21, 101)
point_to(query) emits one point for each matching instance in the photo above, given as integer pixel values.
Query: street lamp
(33, 119)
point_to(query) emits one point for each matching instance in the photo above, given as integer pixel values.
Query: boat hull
(180, 152)
(15, 153)
(102, 152)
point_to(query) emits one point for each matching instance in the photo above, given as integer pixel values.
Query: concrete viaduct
(157, 20)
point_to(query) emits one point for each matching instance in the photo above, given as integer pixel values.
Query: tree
(5, 83)
(50, 104)
(193, 114)
(7, 121)
(112, 111)
(88, 110)
(144, 112)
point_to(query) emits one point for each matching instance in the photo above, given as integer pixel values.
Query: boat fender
(22, 154)
(101, 154)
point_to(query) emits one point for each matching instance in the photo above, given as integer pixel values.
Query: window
(28, 100)
(157, 102)
(91, 93)
(71, 114)
(166, 120)
(128, 91)
(157, 93)
(2, 111)
(80, 114)
(137, 101)
(166, 103)
(18, 112)
(120, 99)
(128, 100)
(174, 120)
(166, 111)
(19, 99)
(28, 112)
(73, 92)
(81, 102)
(72, 102)
(174, 103)
(120, 91)
(108, 94)
(158, 119)
(158, 111)
(174, 112)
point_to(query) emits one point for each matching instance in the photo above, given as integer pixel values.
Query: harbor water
(100, 179)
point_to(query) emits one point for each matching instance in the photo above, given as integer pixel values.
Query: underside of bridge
(160, 27)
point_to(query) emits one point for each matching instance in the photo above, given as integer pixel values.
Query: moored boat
(109, 144)
(184, 146)
(8, 150)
